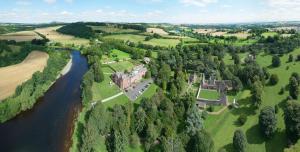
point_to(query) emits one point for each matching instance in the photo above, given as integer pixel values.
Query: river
(47, 126)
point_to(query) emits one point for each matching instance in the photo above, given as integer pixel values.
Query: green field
(222, 127)
(141, 38)
(112, 29)
(267, 34)
(114, 55)
(122, 66)
(209, 94)
(228, 58)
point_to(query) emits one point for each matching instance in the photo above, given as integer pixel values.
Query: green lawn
(131, 37)
(114, 55)
(267, 34)
(104, 89)
(228, 58)
(223, 126)
(162, 42)
(141, 38)
(209, 94)
(122, 66)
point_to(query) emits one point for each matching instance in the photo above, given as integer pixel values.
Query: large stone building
(126, 80)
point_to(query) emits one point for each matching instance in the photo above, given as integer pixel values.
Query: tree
(148, 74)
(256, 92)
(236, 58)
(268, 121)
(292, 121)
(201, 142)
(173, 91)
(98, 73)
(194, 120)
(276, 61)
(291, 58)
(294, 88)
(148, 53)
(242, 119)
(274, 79)
(140, 119)
(239, 141)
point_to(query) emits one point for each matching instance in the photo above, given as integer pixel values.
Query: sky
(149, 11)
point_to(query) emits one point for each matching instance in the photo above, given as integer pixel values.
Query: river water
(47, 126)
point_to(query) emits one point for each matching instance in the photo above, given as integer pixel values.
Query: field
(209, 94)
(222, 127)
(271, 34)
(112, 29)
(12, 76)
(204, 31)
(122, 66)
(141, 38)
(157, 31)
(240, 35)
(52, 35)
(114, 55)
(20, 36)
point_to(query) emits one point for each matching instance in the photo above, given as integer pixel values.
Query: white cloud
(200, 3)
(66, 13)
(69, 1)
(50, 1)
(23, 3)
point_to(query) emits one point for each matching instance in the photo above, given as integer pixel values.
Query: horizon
(152, 11)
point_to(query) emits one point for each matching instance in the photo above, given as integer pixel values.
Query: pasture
(141, 38)
(122, 66)
(14, 75)
(53, 35)
(115, 55)
(20, 36)
(240, 35)
(222, 126)
(271, 34)
(157, 31)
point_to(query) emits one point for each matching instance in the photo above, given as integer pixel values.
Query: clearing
(157, 31)
(14, 75)
(53, 35)
(20, 36)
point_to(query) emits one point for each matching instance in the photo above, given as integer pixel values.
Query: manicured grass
(209, 94)
(222, 127)
(267, 34)
(122, 66)
(114, 55)
(104, 89)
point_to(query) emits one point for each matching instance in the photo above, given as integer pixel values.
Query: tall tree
(268, 121)
(200, 142)
(276, 61)
(292, 120)
(294, 88)
(239, 141)
(256, 91)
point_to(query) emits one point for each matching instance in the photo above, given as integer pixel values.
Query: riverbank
(68, 67)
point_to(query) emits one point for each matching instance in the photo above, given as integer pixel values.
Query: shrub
(276, 61)
(274, 79)
(211, 109)
(242, 119)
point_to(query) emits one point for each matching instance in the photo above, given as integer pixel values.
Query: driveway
(134, 92)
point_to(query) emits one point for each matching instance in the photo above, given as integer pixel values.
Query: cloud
(66, 13)
(69, 1)
(50, 1)
(200, 3)
(23, 3)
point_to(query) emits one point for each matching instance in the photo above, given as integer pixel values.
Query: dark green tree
(268, 121)
(292, 120)
(200, 142)
(276, 61)
(274, 79)
(239, 141)
(294, 88)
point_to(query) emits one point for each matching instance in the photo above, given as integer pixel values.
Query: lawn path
(112, 97)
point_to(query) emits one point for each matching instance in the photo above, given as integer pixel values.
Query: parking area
(134, 92)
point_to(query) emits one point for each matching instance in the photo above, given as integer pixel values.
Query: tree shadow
(228, 147)
(254, 136)
(277, 143)
(245, 107)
